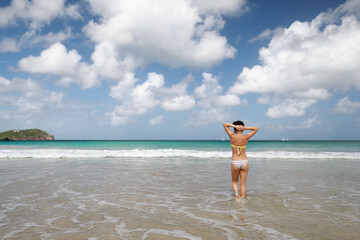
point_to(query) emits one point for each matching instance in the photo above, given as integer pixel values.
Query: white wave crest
(165, 153)
(87, 153)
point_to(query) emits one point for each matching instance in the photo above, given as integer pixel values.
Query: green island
(27, 135)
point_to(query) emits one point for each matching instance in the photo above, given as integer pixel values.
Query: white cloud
(210, 93)
(57, 60)
(180, 103)
(37, 12)
(313, 93)
(212, 102)
(110, 64)
(289, 108)
(266, 34)
(37, 102)
(173, 33)
(310, 123)
(28, 96)
(220, 7)
(30, 38)
(9, 45)
(306, 60)
(139, 99)
(24, 103)
(123, 88)
(347, 106)
(156, 121)
(264, 100)
(178, 89)
(230, 100)
(54, 60)
(205, 117)
(18, 85)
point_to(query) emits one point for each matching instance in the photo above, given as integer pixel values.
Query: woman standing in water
(239, 162)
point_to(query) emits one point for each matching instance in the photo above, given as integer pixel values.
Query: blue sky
(104, 69)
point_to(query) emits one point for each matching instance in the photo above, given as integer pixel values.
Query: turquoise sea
(189, 144)
(178, 190)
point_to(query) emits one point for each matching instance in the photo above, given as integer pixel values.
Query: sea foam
(165, 153)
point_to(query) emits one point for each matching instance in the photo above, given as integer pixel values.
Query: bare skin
(239, 139)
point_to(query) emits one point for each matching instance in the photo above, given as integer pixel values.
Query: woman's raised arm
(227, 127)
(252, 133)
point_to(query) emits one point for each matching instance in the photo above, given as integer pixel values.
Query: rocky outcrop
(6, 139)
(27, 134)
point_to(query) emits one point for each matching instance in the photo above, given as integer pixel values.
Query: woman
(239, 162)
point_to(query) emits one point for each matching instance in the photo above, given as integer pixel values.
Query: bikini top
(238, 148)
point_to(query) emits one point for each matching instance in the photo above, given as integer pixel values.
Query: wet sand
(177, 198)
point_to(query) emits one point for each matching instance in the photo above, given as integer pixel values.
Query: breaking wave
(165, 153)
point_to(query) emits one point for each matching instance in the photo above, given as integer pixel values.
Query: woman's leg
(235, 178)
(243, 176)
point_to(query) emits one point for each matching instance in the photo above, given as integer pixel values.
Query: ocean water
(178, 190)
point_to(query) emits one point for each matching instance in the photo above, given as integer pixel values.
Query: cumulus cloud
(180, 103)
(136, 99)
(54, 60)
(110, 64)
(306, 60)
(212, 102)
(123, 88)
(173, 33)
(36, 12)
(211, 94)
(139, 99)
(289, 108)
(58, 61)
(347, 106)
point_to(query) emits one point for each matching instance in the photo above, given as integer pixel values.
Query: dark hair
(238, 123)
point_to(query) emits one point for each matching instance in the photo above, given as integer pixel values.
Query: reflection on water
(177, 198)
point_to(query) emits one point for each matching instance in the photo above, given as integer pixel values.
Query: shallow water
(177, 198)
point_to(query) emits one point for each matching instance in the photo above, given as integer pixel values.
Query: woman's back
(238, 144)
